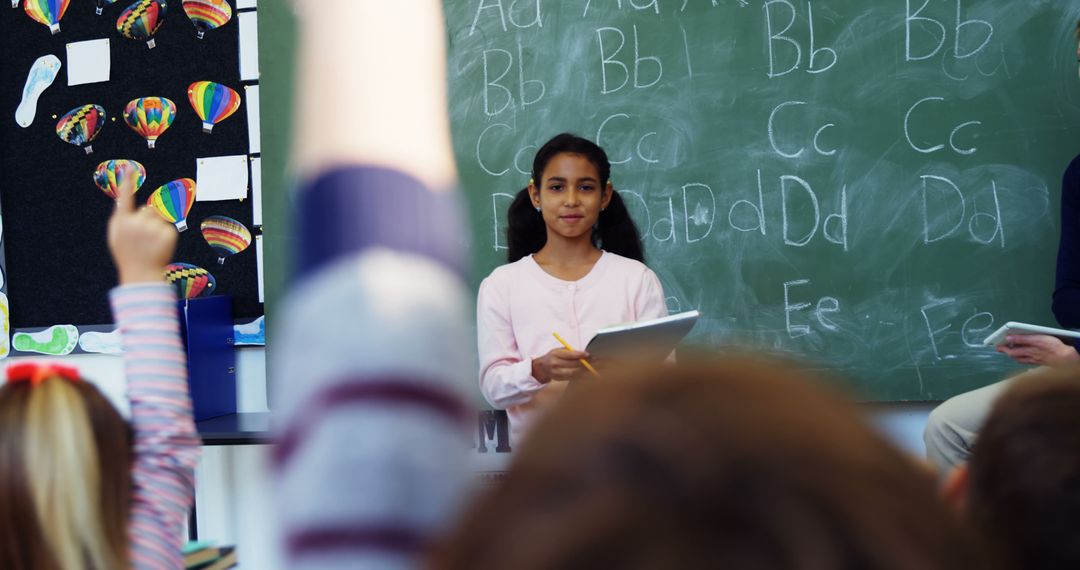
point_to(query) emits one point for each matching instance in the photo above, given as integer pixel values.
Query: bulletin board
(56, 266)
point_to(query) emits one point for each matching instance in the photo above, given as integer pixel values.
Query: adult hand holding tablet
(1035, 344)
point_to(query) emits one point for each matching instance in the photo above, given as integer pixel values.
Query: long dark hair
(615, 232)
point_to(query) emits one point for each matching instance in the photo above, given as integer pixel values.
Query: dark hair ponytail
(525, 232)
(616, 231)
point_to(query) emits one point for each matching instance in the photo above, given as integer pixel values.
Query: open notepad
(644, 340)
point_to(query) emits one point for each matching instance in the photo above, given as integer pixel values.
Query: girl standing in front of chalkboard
(575, 265)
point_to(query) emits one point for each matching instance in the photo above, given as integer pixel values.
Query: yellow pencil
(584, 362)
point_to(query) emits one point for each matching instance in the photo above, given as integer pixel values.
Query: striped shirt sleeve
(166, 445)
(373, 420)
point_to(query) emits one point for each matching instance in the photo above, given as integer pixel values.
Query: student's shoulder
(507, 274)
(626, 266)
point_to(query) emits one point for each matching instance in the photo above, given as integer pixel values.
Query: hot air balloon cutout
(213, 102)
(101, 4)
(226, 236)
(80, 125)
(111, 174)
(207, 15)
(190, 280)
(173, 201)
(141, 20)
(47, 12)
(150, 117)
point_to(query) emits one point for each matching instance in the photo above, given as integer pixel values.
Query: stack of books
(208, 556)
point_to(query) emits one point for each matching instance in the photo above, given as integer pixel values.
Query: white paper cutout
(250, 334)
(221, 178)
(259, 264)
(249, 45)
(241, 4)
(256, 192)
(88, 62)
(42, 74)
(251, 101)
(101, 342)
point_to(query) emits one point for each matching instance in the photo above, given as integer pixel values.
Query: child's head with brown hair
(1023, 479)
(733, 464)
(65, 473)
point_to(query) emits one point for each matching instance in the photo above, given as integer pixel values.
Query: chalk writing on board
(980, 32)
(647, 71)
(815, 140)
(952, 135)
(824, 307)
(942, 195)
(489, 8)
(778, 38)
(530, 91)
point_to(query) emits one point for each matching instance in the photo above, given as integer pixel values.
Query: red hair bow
(36, 372)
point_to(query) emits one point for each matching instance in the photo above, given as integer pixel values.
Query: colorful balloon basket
(89, 149)
(54, 28)
(151, 43)
(207, 127)
(150, 143)
(181, 225)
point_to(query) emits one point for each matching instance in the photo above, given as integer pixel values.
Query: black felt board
(58, 267)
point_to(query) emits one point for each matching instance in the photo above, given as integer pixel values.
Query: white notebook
(644, 340)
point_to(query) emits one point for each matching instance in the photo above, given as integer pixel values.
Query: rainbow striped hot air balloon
(213, 102)
(47, 12)
(101, 4)
(80, 125)
(173, 201)
(141, 20)
(111, 174)
(207, 15)
(226, 236)
(190, 280)
(150, 117)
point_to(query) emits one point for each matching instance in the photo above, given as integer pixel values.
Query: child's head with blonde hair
(65, 473)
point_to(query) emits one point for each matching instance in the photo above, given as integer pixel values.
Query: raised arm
(166, 446)
(370, 352)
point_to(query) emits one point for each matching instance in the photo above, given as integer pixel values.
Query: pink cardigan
(520, 305)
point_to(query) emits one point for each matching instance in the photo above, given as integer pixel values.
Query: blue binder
(206, 325)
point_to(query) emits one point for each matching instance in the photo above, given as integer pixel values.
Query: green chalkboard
(870, 186)
(873, 187)
(277, 47)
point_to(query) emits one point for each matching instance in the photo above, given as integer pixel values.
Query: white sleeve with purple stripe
(370, 368)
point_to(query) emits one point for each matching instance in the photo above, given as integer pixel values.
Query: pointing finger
(125, 196)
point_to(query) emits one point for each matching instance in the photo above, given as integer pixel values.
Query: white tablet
(644, 340)
(1012, 327)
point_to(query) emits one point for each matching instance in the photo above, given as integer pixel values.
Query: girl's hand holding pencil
(562, 364)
